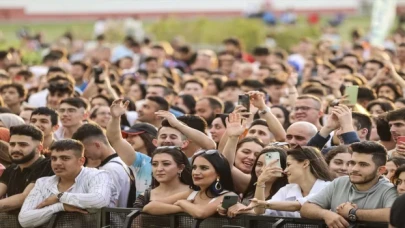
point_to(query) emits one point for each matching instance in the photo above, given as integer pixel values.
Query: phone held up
(244, 100)
(97, 71)
(271, 156)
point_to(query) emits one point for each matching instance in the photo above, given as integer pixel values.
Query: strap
(131, 176)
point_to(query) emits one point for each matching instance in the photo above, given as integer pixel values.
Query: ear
(382, 170)
(306, 163)
(82, 160)
(185, 144)
(181, 167)
(85, 115)
(55, 128)
(154, 141)
(364, 132)
(97, 144)
(40, 147)
(320, 113)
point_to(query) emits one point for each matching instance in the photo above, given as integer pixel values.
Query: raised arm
(120, 145)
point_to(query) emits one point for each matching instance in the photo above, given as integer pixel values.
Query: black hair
(166, 90)
(259, 122)
(363, 121)
(386, 106)
(218, 83)
(261, 51)
(90, 130)
(375, 149)
(201, 70)
(82, 64)
(68, 144)
(398, 161)
(401, 100)
(255, 84)
(358, 59)
(393, 87)
(270, 81)
(189, 101)
(345, 66)
(383, 129)
(46, 112)
(76, 102)
(195, 81)
(366, 94)
(27, 130)
(54, 69)
(162, 103)
(375, 61)
(101, 96)
(150, 58)
(231, 84)
(249, 139)
(26, 74)
(398, 114)
(286, 113)
(335, 151)
(398, 172)
(214, 102)
(195, 122)
(148, 141)
(20, 89)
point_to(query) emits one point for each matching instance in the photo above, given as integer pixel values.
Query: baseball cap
(140, 128)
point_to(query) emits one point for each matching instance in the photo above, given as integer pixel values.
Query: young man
(78, 72)
(396, 120)
(13, 95)
(59, 88)
(28, 165)
(72, 112)
(194, 87)
(73, 188)
(364, 195)
(46, 120)
(97, 147)
(361, 124)
(147, 111)
(275, 88)
(25, 114)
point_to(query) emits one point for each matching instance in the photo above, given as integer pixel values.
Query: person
(97, 147)
(171, 174)
(362, 124)
(212, 176)
(141, 136)
(78, 72)
(28, 165)
(379, 106)
(73, 188)
(25, 114)
(13, 95)
(60, 87)
(392, 166)
(9, 120)
(398, 179)
(396, 119)
(101, 115)
(151, 105)
(338, 159)
(364, 195)
(218, 128)
(308, 108)
(282, 114)
(46, 120)
(397, 219)
(208, 108)
(300, 133)
(72, 112)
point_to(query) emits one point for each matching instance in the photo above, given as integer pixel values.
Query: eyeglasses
(303, 108)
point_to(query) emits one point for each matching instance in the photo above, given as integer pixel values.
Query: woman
(101, 115)
(214, 86)
(211, 176)
(8, 120)
(392, 166)
(399, 179)
(282, 115)
(218, 128)
(379, 106)
(338, 161)
(186, 103)
(171, 173)
(140, 136)
(307, 173)
(388, 90)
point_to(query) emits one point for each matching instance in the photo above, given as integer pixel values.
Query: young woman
(307, 173)
(101, 115)
(211, 181)
(171, 173)
(392, 166)
(140, 136)
(378, 107)
(338, 161)
(388, 90)
(282, 115)
(399, 179)
(218, 128)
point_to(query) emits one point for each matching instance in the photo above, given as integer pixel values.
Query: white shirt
(38, 99)
(92, 189)
(292, 192)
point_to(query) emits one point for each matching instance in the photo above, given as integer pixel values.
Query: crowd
(168, 129)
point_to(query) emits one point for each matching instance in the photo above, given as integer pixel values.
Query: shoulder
(341, 181)
(44, 182)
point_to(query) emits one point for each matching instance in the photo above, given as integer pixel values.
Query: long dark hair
(398, 172)
(180, 159)
(286, 113)
(279, 183)
(222, 168)
(147, 140)
(317, 163)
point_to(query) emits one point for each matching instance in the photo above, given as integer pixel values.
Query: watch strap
(59, 195)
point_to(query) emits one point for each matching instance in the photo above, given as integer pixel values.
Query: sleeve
(318, 141)
(350, 137)
(324, 197)
(30, 216)
(43, 170)
(389, 197)
(140, 160)
(98, 193)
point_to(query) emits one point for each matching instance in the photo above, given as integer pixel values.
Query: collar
(105, 161)
(33, 165)
(77, 178)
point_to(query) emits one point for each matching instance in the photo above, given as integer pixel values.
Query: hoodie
(341, 190)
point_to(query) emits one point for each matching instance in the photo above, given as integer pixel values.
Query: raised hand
(168, 116)
(344, 115)
(257, 99)
(118, 108)
(234, 126)
(270, 172)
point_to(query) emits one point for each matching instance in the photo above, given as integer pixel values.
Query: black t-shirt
(397, 217)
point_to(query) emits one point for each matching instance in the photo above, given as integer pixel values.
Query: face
(53, 99)
(66, 163)
(342, 72)
(164, 168)
(397, 128)
(204, 110)
(374, 134)
(135, 92)
(391, 168)
(276, 92)
(401, 183)
(126, 63)
(152, 66)
(298, 135)
(155, 91)
(193, 89)
(339, 164)
(23, 148)
(351, 61)
(294, 170)
(217, 129)
(103, 115)
(307, 110)
(147, 111)
(370, 70)
(10, 96)
(232, 94)
(261, 132)
(279, 114)
(169, 137)
(246, 155)
(261, 74)
(180, 103)
(77, 72)
(387, 92)
(136, 142)
(26, 115)
(92, 149)
(376, 110)
(44, 123)
(362, 168)
(211, 89)
(204, 174)
(97, 102)
(70, 115)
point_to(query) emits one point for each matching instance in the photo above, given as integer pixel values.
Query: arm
(313, 211)
(15, 201)
(3, 189)
(200, 211)
(284, 205)
(159, 208)
(374, 215)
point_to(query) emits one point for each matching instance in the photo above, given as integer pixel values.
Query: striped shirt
(92, 189)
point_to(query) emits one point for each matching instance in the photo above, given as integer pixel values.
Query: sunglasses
(169, 147)
(209, 152)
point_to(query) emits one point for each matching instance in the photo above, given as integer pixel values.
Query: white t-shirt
(38, 99)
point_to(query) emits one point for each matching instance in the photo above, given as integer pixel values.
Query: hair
(66, 87)
(47, 112)
(315, 90)
(162, 103)
(335, 151)
(90, 130)
(286, 113)
(76, 102)
(249, 139)
(398, 161)
(54, 69)
(252, 83)
(189, 101)
(375, 61)
(363, 121)
(20, 88)
(195, 81)
(279, 183)
(27, 130)
(375, 149)
(195, 122)
(385, 105)
(398, 114)
(68, 144)
(260, 122)
(214, 103)
(166, 90)
(398, 172)
(392, 86)
(218, 83)
(366, 94)
(345, 66)
(147, 140)
(270, 81)
(150, 58)
(401, 100)
(25, 74)
(318, 166)
(82, 64)
(316, 99)
(261, 51)
(4, 154)
(231, 84)
(101, 96)
(179, 158)
(358, 59)
(222, 168)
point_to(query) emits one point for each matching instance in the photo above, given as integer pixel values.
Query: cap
(140, 128)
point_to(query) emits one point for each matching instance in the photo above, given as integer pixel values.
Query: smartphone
(400, 139)
(352, 92)
(244, 100)
(97, 71)
(271, 156)
(229, 201)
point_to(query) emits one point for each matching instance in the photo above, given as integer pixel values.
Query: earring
(179, 173)
(218, 185)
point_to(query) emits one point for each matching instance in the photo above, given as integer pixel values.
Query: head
(101, 116)
(231, 91)
(282, 114)
(169, 163)
(152, 104)
(218, 128)
(25, 143)
(392, 166)
(8, 120)
(214, 86)
(378, 107)
(275, 88)
(367, 163)
(72, 111)
(137, 92)
(67, 158)
(186, 103)
(45, 119)
(157, 90)
(399, 179)
(208, 108)
(304, 161)
(260, 130)
(388, 90)
(94, 140)
(338, 161)
(60, 87)
(371, 67)
(246, 153)
(299, 133)
(141, 137)
(365, 95)
(194, 87)
(352, 60)
(169, 136)
(396, 120)
(209, 168)
(100, 100)
(308, 108)
(13, 94)
(400, 103)
(25, 114)
(78, 70)
(362, 125)
(152, 65)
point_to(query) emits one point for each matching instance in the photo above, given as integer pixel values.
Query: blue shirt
(143, 172)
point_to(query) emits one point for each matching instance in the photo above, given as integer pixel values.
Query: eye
(154, 164)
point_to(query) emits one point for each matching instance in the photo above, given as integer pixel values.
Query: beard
(366, 178)
(24, 159)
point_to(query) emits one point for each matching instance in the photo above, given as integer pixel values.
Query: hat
(4, 134)
(140, 128)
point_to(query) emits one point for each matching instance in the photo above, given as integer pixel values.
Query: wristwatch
(59, 195)
(352, 215)
(264, 111)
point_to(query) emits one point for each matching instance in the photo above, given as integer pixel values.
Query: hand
(234, 127)
(173, 121)
(118, 108)
(239, 109)
(344, 114)
(332, 122)
(344, 209)
(255, 203)
(180, 202)
(270, 172)
(234, 210)
(400, 148)
(334, 220)
(49, 201)
(292, 80)
(257, 99)
(105, 76)
(70, 208)
(221, 211)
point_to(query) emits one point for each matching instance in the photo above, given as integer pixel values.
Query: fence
(133, 218)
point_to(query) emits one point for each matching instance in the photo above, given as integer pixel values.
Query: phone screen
(244, 100)
(271, 156)
(352, 92)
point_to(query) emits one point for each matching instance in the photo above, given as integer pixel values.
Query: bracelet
(260, 185)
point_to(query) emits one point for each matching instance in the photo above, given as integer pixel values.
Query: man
(371, 67)
(60, 87)
(73, 188)
(97, 147)
(364, 195)
(46, 120)
(28, 165)
(396, 120)
(308, 108)
(151, 65)
(259, 129)
(352, 60)
(147, 111)
(275, 89)
(13, 95)
(365, 96)
(194, 87)
(25, 114)
(231, 91)
(208, 108)
(299, 133)
(78, 72)
(72, 112)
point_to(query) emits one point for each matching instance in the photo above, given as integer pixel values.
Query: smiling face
(217, 129)
(339, 164)
(387, 92)
(169, 136)
(103, 115)
(164, 168)
(70, 115)
(294, 170)
(44, 123)
(362, 168)
(307, 110)
(246, 155)
(204, 174)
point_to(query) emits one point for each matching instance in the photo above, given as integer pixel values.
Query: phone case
(352, 92)
(401, 139)
(270, 156)
(229, 201)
